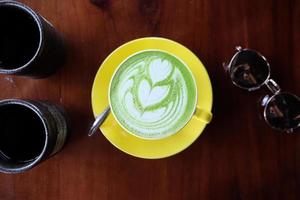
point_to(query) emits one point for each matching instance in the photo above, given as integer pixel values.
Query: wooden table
(237, 157)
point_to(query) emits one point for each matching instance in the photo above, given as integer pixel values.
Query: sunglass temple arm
(225, 65)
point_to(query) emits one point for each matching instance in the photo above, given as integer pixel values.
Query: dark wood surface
(237, 157)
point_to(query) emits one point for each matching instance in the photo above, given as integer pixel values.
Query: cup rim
(259, 54)
(33, 162)
(38, 22)
(196, 94)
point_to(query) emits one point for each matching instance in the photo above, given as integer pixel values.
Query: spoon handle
(99, 120)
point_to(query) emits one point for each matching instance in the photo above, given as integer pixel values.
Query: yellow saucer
(152, 148)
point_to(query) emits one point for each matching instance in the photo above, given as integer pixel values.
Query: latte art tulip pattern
(153, 94)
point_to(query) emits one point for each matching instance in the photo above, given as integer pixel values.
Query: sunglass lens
(283, 111)
(248, 69)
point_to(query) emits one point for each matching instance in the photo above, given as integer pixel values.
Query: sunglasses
(250, 70)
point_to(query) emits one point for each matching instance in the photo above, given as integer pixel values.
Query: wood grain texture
(237, 157)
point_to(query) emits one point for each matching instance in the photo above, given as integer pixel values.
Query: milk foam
(153, 94)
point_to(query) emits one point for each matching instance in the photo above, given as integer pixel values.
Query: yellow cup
(168, 146)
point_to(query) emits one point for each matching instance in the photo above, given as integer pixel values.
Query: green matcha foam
(153, 94)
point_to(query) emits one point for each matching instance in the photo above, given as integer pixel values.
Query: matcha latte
(153, 94)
